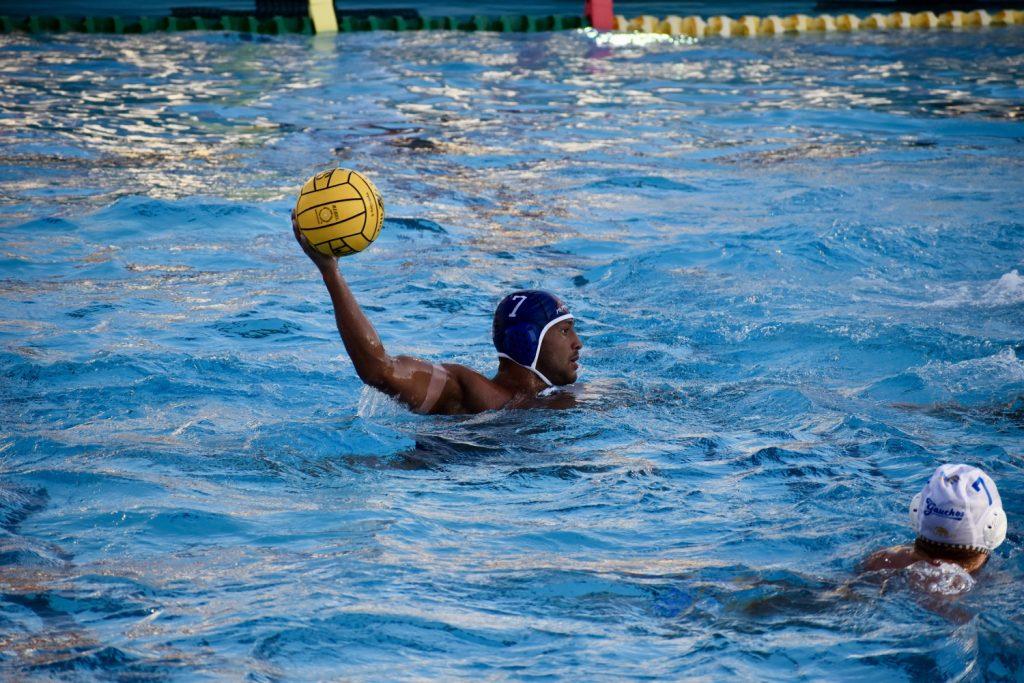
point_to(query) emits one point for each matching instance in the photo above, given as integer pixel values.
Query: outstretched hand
(322, 261)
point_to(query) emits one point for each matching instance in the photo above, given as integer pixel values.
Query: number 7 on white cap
(981, 481)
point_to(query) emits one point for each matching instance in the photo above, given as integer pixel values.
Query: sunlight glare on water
(796, 268)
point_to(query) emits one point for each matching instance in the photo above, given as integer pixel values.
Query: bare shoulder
(896, 557)
(478, 393)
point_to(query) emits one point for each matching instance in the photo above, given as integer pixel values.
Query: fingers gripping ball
(339, 211)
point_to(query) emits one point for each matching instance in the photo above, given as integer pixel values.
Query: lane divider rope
(749, 25)
(691, 26)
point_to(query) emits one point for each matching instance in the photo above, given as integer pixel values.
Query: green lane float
(123, 25)
(280, 25)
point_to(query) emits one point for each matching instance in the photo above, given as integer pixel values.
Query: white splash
(1008, 290)
(373, 403)
(989, 373)
(634, 39)
(944, 578)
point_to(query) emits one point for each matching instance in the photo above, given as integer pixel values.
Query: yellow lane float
(749, 25)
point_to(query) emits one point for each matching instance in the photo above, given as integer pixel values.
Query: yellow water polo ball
(339, 211)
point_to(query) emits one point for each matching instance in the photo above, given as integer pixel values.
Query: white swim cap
(960, 506)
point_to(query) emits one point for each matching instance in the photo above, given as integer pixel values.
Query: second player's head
(959, 511)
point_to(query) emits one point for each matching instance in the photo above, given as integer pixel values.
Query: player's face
(560, 353)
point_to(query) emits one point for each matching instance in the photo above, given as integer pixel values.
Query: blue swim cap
(520, 322)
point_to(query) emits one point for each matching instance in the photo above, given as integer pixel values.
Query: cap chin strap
(528, 367)
(532, 367)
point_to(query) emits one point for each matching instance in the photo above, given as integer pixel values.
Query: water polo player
(533, 332)
(959, 520)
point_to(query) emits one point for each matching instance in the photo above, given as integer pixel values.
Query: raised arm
(422, 386)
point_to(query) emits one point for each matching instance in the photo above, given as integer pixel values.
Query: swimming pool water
(798, 271)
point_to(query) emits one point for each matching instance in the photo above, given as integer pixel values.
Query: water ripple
(795, 265)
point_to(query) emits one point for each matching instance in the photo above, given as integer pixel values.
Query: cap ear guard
(993, 531)
(519, 342)
(915, 514)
